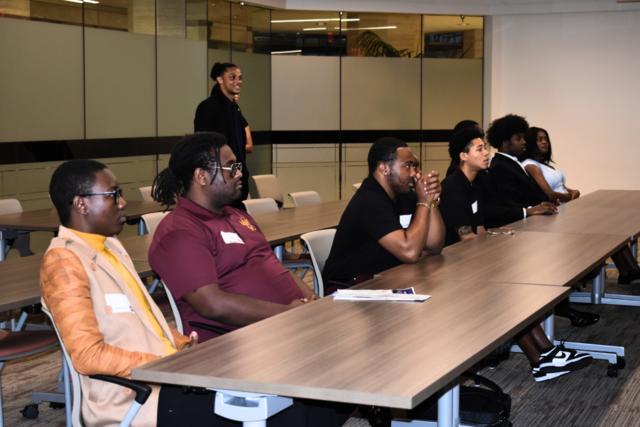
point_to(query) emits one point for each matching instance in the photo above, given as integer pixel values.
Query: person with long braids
(216, 261)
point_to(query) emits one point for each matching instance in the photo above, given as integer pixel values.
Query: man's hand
(544, 208)
(574, 194)
(427, 187)
(193, 339)
(433, 186)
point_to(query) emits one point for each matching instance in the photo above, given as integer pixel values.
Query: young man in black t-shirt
(392, 219)
(462, 201)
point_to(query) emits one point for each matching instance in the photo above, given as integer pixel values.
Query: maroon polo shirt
(193, 247)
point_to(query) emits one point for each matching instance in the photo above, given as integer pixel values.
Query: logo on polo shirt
(244, 221)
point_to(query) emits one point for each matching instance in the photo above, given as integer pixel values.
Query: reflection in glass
(50, 10)
(219, 17)
(296, 32)
(382, 34)
(451, 70)
(196, 19)
(246, 23)
(453, 36)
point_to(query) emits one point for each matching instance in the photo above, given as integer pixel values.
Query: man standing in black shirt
(392, 219)
(221, 113)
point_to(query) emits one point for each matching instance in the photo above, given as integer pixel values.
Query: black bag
(484, 404)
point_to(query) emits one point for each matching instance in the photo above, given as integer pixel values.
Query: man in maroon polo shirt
(214, 258)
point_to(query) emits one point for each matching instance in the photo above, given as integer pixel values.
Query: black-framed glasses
(233, 169)
(115, 194)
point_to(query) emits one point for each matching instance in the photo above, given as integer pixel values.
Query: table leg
(548, 324)
(448, 407)
(3, 247)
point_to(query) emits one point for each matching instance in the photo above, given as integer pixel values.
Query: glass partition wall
(328, 81)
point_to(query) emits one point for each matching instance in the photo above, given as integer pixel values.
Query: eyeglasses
(233, 169)
(115, 194)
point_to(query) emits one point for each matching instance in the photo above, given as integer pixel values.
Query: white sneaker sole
(549, 376)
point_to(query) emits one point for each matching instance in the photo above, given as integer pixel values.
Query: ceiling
(466, 7)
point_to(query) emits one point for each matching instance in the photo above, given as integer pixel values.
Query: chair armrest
(142, 390)
(217, 329)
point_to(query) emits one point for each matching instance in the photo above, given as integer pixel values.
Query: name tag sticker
(474, 207)
(231, 237)
(405, 220)
(118, 303)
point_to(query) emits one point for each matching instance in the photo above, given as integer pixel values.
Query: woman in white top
(538, 165)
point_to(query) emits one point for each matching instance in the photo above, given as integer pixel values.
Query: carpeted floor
(585, 398)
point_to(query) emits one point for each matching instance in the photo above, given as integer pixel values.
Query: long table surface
(619, 199)
(47, 219)
(19, 277)
(527, 257)
(584, 218)
(372, 353)
(287, 224)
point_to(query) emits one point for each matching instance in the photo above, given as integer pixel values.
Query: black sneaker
(559, 361)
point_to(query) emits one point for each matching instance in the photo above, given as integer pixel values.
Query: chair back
(10, 206)
(145, 192)
(319, 245)
(305, 198)
(76, 391)
(260, 206)
(174, 308)
(268, 186)
(152, 220)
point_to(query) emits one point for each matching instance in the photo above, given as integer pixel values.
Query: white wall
(578, 76)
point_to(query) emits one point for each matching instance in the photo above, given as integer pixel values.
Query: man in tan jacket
(106, 319)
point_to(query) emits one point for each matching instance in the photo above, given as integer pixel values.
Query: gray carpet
(585, 398)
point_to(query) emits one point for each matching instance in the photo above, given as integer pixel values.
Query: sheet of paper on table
(405, 294)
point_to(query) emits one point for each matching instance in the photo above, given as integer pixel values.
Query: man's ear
(463, 156)
(384, 168)
(200, 177)
(219, 80)
(79, 205)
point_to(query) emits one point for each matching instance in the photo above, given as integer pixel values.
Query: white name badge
(231, 237)
(405, 220)
(474, 207)
(118, 303)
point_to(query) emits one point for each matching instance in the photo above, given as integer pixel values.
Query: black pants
(194, 407)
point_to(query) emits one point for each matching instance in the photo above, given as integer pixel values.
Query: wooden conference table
(19, 277)
(526, 257)
(370, 353)
(620, 199)
(47, 219)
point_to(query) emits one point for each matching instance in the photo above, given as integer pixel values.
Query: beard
(396, 184)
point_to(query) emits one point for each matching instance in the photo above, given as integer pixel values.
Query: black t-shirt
(370, 215)
(219, 114)
(461, 204)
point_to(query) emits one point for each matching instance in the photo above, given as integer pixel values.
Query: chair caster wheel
(30, 411)
(621, 362)
(612, 371)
